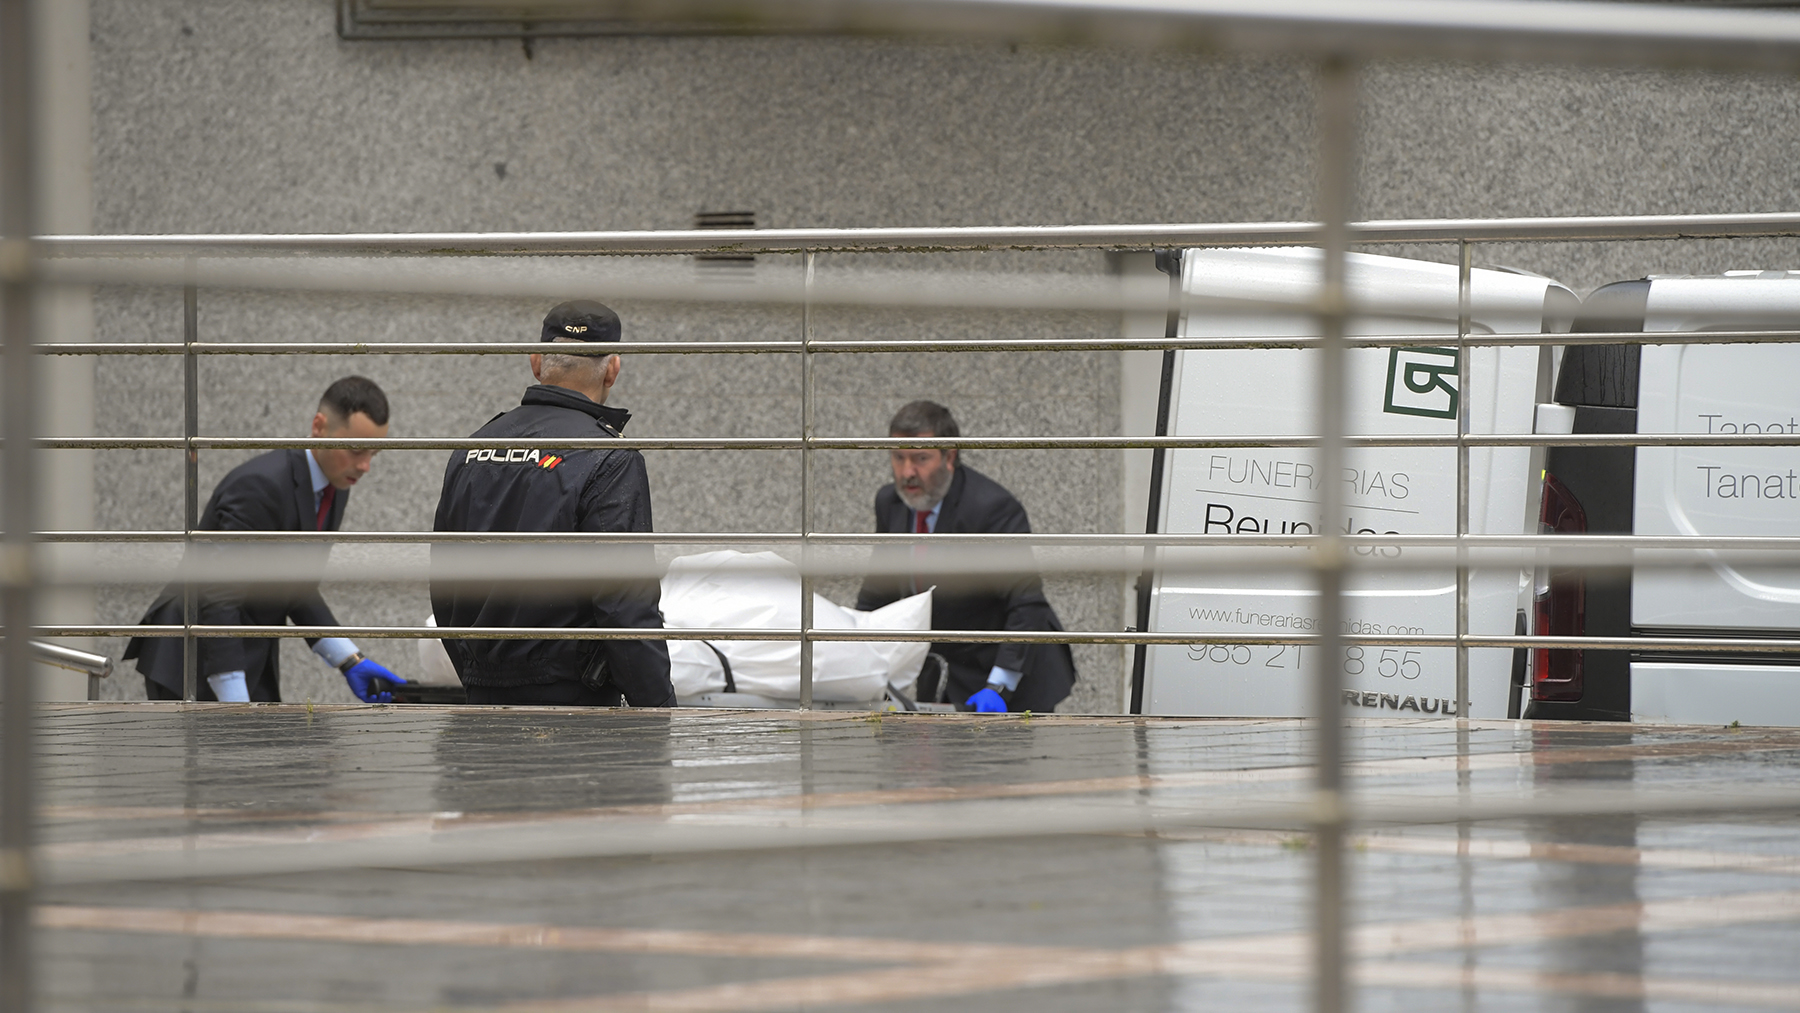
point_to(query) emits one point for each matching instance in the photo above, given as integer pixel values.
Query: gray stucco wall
(252, 116)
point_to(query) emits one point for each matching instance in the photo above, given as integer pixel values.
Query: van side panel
(1710, 693)
(1410, 390)
(1721, 491)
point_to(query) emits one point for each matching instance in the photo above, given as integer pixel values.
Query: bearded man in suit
(933, 493)
(282, 490)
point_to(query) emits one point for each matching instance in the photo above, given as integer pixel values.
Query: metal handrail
(878, 347)
(1664, 35)
(912, 442)
(1471, 542)
(98, 666)
(1768, 645)
(922, 240)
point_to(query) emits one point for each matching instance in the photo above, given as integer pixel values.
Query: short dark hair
(921, 417)
(355, 394)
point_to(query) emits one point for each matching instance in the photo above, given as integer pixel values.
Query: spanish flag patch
(550, 462)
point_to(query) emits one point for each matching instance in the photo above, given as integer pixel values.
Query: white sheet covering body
(737, 590)
(750, 590)
(434, 661)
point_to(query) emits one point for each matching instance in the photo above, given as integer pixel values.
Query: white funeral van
(1403, 390)
(1735, 388)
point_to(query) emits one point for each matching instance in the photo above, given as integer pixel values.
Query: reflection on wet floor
(421, 858)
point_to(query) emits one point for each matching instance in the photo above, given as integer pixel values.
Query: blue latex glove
(987, 701)
(361, 677)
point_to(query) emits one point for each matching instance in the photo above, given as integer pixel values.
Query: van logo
(1422, 381)
(1396, 702)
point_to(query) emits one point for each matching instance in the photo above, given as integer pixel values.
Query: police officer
(539, 486)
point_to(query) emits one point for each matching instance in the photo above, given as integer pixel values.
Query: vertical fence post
(1464, 314)
(190, 471)
(1170, 261)
(1336, 183)
(18, 500)
(806, 436)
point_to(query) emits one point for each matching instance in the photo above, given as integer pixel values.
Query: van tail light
(1559, 602)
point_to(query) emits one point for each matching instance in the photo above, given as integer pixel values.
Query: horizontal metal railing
(536, 566)
(928, 240)
(893, 443)
(1771, 645)
(1662, 35)
(909, 346)
(1620, 546)
(95, 665)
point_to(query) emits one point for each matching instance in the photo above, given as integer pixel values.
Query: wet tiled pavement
(411, 858)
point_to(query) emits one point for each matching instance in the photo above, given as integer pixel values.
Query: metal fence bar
(18, 500)
(964, 442)
(1660, 645)
(1614, 228)
(860, 347)
(190, 471)
(75, 661)
(1464, 320)
(806, 519)
(1170, 261)
(1464, 311)
(1594, 545)
(1038, 294)
(1337, 108)
(1663, 35)
(560, 568)
(95, 666)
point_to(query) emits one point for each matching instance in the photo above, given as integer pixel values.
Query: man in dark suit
(282, 490)
(933, 493)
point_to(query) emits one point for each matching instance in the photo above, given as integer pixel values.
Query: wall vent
(374, 20)
(725, 266)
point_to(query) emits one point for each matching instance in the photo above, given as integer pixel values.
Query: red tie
(325, 506)
(918, 552)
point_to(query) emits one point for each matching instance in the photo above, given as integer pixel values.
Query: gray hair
(583, 369)
(918, 418)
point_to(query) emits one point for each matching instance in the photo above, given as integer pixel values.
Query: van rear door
(1407, 390)
(1736, 388)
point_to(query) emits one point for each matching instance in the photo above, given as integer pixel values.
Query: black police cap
(582, 320)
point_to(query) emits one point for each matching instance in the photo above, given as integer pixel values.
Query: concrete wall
(247, 116)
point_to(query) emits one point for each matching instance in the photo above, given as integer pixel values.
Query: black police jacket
(537, 486)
